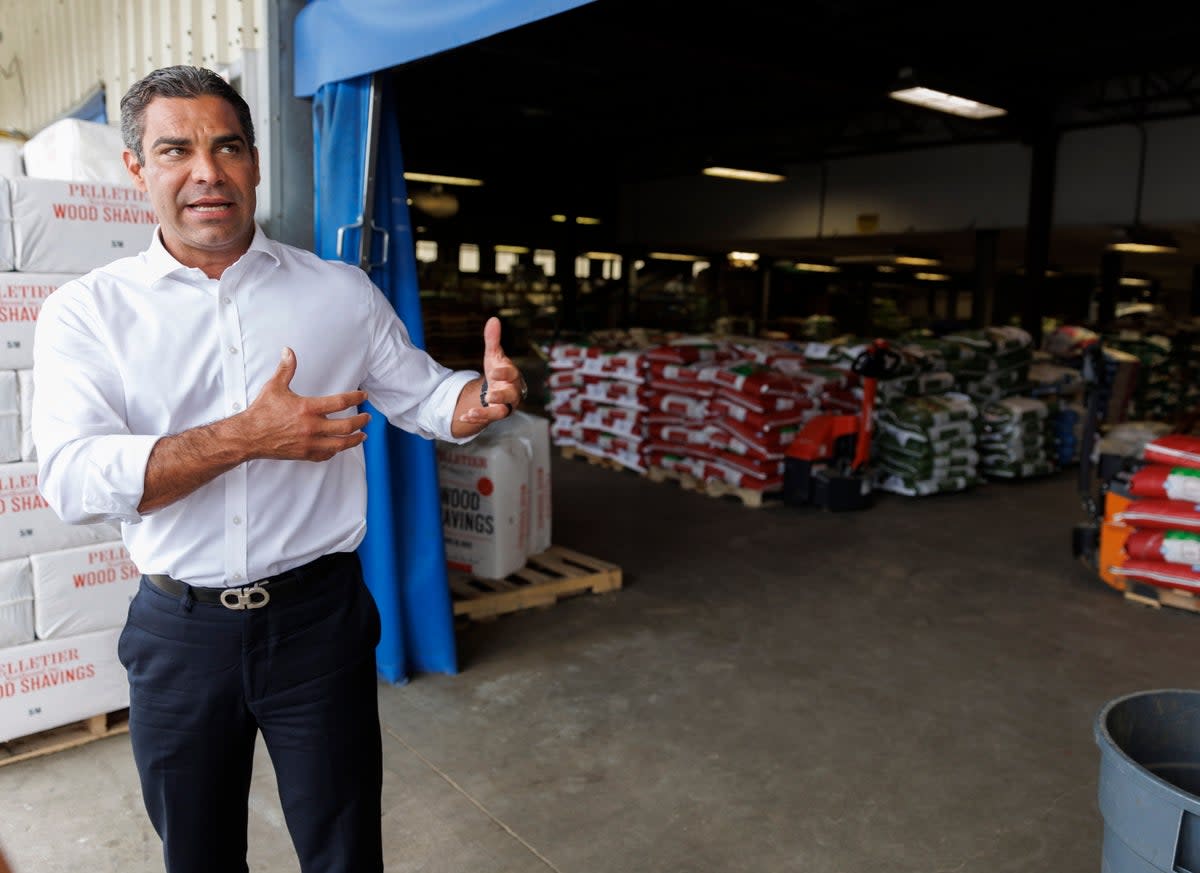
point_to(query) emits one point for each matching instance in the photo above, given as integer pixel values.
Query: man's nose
(206, 168)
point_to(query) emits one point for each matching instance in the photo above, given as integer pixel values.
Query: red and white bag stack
(1163, 549)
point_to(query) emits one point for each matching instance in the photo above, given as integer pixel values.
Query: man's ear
(134, 168)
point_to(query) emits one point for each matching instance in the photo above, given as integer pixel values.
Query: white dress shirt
(146, 347)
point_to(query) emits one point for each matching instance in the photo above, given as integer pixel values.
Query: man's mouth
(210, 206)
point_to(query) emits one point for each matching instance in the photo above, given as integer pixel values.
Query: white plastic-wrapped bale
(21, 298)
(83, 589)
(10, 417)
(74, 227)
(11, 166)
(7, 254)
(76, 151)
(50, 683)
(16, 603)
(484, 488)
(27, 523)
(25, 396)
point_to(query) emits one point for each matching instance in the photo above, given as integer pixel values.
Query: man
(203, 394)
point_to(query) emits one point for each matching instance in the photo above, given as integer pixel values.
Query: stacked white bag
(64, 589)
(496, 497)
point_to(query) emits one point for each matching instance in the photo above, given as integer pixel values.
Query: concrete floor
(911, 688)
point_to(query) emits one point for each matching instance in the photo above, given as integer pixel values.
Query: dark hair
(181, 81)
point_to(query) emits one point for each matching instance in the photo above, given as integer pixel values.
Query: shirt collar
(160, 263)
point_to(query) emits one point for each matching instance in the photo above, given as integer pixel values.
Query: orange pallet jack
(825, 464)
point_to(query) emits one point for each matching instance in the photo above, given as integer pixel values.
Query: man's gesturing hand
(284, 425)
(502, 388)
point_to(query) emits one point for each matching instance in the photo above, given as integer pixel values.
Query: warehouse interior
(914, 687)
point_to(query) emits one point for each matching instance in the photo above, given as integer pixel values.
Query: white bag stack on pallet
(64, 589)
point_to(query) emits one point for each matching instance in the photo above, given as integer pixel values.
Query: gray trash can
(1150, 782)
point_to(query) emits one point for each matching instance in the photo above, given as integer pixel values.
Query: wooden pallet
(594, 459)
(545, 579)
(748, 496)
(68, 736)
(1150, 595)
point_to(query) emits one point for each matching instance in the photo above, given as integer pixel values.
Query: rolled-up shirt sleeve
(91, 468)
(414, 391)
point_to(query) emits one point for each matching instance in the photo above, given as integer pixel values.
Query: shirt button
(237, 519)
(237, 576)
(226, 300)
(233, 350)
(236, 407)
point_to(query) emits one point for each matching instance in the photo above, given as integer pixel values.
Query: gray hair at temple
(180, 81)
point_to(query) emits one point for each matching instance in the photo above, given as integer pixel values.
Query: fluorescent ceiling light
(944, 102)
(584, 219)
(516, 250)
(807, 267)
(1136, 282)
(742, 175)
(1143, 240)
(889, 258)
(931, 277)
(743, 256)
(558, 217)
(602, 256)
(671, 256)
(436, 179)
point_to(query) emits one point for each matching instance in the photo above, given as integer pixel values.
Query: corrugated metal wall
(55, 53)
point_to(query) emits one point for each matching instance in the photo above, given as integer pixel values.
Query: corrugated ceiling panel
(53, 53)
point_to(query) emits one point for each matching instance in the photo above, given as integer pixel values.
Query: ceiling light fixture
(910, 91)
(743, 175)
(515, 250)
(1136, 281)
(585, 219)
(671, 256)
(558, 218)
(437, 179)
(743, 259)
(602, 256)
(1137, 237)
(932, 277)
(812, 267)
(901, 258)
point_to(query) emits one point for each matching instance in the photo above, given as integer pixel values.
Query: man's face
(200, 174)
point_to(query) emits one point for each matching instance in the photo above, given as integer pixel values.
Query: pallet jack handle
(878, 361)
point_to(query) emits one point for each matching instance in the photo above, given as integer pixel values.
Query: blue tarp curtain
(341, 39)
(403, 554)
(339, 44)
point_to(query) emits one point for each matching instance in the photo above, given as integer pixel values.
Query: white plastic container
(485, 504)
(84, 589)
(49, 683)
(16, 603)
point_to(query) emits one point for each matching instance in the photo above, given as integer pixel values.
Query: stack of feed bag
(1158, 393)
(496, 497)
(1160, 525)
(1062, 389)
(64, 589)
(999, 366)
(926, 445)
(1016, 438)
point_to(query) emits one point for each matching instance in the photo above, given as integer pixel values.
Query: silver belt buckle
(251, 597)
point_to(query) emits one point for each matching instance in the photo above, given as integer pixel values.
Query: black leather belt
(256, 594)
